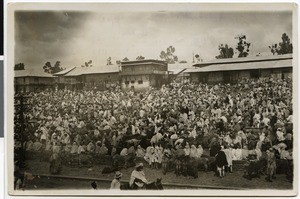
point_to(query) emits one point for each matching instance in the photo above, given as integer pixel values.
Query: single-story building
(30, 80)
(232, 70)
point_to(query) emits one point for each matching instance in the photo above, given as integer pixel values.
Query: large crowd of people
(247, 119)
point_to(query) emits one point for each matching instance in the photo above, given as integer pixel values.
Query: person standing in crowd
(229, 157)
(116, 182)
(95, 122)
(271, 165)
(221, 162)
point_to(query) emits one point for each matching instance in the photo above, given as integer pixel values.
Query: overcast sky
(76, 37)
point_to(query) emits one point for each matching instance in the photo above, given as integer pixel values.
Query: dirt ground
(233, 180)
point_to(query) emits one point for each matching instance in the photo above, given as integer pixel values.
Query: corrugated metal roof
(245, 59)
(102, 69)
(244, 66)
(179, 67)
(31, 73)
(76, 71)
(143, 61)
(65, 71)
(93, 70)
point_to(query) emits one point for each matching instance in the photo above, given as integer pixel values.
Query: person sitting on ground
(37, 145)
(74, 148)
(140, 152)
(199, 151)
(138, 177)
(103, 149)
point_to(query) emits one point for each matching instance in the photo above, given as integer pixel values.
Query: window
(126, 82)
(132, 81)
(140, 81)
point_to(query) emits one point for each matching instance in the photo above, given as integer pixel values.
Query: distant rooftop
(144, 61)
(265, 64)
(76, 71)
(93, 70)
(102, 69)
(64, 72)
(31, 73)
(178, 68)
(245, 59)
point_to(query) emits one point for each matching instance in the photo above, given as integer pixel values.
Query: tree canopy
(19, 66)
(87, 64)
(48, 68)
(243, 46)
(140, 57)
(109, 61)
(225, 52)
(125, 59)
(168, 55)
(284, 47)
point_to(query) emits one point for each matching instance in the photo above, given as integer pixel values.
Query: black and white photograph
(146, 99)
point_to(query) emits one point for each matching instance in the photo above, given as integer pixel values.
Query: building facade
(101, 78)
(233, 70)
(60, 78)
(143, 74)
(32, 81)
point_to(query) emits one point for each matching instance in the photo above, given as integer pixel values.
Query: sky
(74, 37)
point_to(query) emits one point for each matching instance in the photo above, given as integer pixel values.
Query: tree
(87, 64)
(108, 61)
(125, 59)
(198, 59)
(19, 66)
(55, 69)
(140, 58)
(169, 55)
(243, 46)
(225, 52)
(284, 47)
(47, 67)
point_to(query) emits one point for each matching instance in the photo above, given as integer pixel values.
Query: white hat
(118, 174)
(139, 165)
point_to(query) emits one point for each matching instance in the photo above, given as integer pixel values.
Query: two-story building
(101, 77)
(143, 74)
(60, 79)
(30, 80)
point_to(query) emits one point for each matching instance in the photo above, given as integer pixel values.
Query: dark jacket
(221, 159)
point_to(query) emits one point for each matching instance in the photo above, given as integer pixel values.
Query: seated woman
(103, 150)
(138, 178)
(140, 152)
(74, 148)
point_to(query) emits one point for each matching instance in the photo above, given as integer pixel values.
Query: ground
(206, 179)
